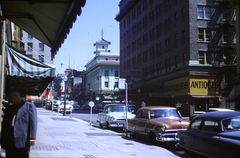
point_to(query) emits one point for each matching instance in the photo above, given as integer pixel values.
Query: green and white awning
(29, 75)
(19, 64)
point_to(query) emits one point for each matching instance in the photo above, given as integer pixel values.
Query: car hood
(121, 115)
(231, 134)
(172, 123)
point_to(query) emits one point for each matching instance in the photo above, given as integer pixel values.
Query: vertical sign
(122, 82)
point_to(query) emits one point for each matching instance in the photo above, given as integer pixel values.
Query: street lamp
(64, 109)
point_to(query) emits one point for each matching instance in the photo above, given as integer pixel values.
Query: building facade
(36, 49)
(102, 74)
(183, 51)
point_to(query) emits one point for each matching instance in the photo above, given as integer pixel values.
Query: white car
(69, 107)
(114, 115)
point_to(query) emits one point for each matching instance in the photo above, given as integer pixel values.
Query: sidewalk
(62, 136)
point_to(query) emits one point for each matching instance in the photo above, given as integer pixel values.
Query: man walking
(19, 126)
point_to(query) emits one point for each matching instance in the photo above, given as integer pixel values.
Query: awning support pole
(2, 67)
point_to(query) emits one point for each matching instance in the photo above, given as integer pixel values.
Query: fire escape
(228, 47)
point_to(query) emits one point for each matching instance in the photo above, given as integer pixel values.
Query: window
(30, 36)
(204, 35)
(183, 14)
(159, 10)
(204, 12)
(106, 84)
(176, 40)
(41, 58)
(116, 85)
(106, 73)
(175, 19)
(41, 47)
(159, 49)
(30, 46)
(176, 61)
(205, 57)
(184, 58)
(210, 125)
(116, 74)
(196, 124)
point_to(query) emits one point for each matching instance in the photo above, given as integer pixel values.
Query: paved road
(85, 116)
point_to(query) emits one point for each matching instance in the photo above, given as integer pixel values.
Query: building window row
(143, 23)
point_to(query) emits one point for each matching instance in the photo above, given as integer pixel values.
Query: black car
(213, 134)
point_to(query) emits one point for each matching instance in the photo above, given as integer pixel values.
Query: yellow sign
(193, 86)
(210, 86)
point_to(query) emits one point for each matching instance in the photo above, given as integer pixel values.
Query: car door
(206, 138)
(187, 138)
(141, 124)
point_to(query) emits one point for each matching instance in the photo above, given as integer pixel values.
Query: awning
(27, 74)
(48, 21)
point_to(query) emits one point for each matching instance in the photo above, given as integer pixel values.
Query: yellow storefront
(194, 93)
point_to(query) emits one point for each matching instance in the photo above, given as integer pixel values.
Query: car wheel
(152, 138)
(100, 125)
(107, 125)
(133, 135)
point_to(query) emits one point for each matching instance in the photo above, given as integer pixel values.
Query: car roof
(159, 108)
(219, 115)
(115, 105)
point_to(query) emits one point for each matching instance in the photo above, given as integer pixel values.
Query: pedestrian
(143, 104)
(19, 126)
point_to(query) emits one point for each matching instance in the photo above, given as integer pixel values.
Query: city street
(85, 116)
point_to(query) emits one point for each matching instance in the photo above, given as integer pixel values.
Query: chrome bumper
(167, 137)
(117, 123)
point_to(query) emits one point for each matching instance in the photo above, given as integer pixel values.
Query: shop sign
(107, 96)
(177, 87)
(207, 86)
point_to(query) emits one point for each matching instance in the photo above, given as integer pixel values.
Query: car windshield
(117, 109)
(164, 114)
(231, 124)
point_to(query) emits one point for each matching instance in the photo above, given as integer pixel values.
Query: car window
(163, 114)
(138, 114)
(231, 123)
(145, 114)
(210, 125)
(196, 124)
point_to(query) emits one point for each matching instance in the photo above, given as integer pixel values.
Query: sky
(77, 49)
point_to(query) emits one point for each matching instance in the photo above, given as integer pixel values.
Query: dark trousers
(14, 152)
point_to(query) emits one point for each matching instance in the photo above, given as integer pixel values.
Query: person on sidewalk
(19, 126)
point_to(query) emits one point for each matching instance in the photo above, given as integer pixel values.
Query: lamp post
(64, 109)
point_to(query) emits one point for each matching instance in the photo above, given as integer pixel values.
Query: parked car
(56, 103)
(69, 107)
(98, 107)
(114, 115)
(85, 106)
(213, 134)
(157, 123)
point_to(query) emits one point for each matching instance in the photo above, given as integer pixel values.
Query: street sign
(122, 82)
(91, 103)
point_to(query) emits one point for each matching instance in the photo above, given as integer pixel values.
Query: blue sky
(96, 15)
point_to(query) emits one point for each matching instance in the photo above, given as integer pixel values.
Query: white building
(102, 73)
(36, 49)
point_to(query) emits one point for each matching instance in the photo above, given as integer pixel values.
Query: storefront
(194, 93)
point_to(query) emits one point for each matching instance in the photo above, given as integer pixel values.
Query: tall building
(182, 51)
(36, 49)
(102, 73)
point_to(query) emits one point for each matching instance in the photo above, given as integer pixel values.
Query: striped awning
(27, 74)
(19, 64)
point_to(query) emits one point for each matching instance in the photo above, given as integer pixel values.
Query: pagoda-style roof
(68, 69)
(102, 41)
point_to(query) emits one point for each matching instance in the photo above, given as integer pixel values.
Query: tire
(107, 125)
(100, 125)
